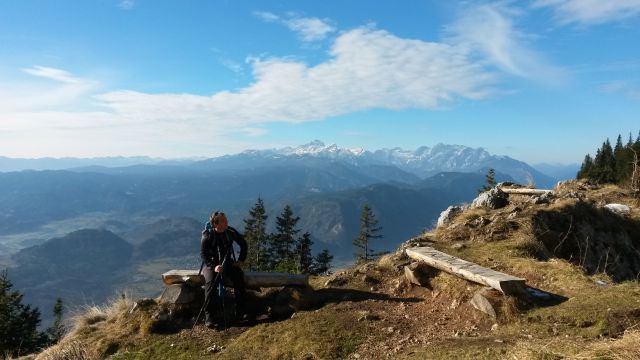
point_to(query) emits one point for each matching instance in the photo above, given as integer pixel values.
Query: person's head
(219, 221)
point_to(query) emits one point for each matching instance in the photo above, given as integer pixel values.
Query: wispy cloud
(53, 74)
(308, 29)
(489, 31)
(627, 88)
(59, 90)
(589, 12)
(126, 4)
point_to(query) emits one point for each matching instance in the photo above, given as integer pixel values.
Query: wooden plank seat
(253, 279)
(505, 283)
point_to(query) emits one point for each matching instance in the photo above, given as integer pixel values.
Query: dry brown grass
(98, 331)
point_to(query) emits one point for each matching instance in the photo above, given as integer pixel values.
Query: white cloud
(126, 4)
(52, 74)
(591, 11)
(308, 29)
(59, 90)
(367, 69)
(488, 30)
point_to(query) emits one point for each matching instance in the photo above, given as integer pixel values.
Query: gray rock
(618, 209)
(487, 301)
(492, 199)
(178, 294)
(542, 199)
(447, 216)
(417, 273)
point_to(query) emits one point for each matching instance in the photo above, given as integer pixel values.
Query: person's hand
(238, 263)
(218, 268)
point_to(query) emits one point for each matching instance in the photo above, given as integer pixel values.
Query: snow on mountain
(424, 161)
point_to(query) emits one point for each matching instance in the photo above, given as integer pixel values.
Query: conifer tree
(586, 168)
(284, 239)
(490, 181)
(305, 259)
(369, 230)
(322, 262)
(19, 333)
(255, 232)
(56, 331)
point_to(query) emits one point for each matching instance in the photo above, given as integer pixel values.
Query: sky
(540, 80)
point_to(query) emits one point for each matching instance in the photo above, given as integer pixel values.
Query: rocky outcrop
(492, 199)
(447, 216)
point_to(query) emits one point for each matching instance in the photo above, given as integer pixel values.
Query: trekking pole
(208, 295)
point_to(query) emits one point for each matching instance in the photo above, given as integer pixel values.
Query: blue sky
(541, 80)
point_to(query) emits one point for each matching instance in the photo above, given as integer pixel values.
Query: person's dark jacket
(213, 245)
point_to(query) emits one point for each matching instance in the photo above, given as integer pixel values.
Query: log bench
(507, 284)
(252, 279)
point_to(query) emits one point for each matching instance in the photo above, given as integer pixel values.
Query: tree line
(286, 251)
(283, 250)
(613, 164)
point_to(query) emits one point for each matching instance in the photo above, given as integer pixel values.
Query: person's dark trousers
(233, 273)
(236, 275)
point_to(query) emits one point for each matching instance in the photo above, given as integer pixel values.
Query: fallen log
(253, 279)
(505, 283)
(525, 191)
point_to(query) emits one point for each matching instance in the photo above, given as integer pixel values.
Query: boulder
(618, 209)
(542, 199)
(492, 199)
(419, 273)
(179, 294)
(488, 301)
(447, 216)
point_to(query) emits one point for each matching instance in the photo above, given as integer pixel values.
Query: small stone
(494, 327)
(390, 329)
(458, 246)
(500, 341)
(214, 349)
(454, 304)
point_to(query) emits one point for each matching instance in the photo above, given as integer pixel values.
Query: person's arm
(207, 251)
(239, 239)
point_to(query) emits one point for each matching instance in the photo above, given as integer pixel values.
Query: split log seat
(507, 284)
(253, 279)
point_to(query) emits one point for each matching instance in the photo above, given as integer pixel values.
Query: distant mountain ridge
(421, 162)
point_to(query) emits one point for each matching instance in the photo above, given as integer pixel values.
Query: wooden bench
(507, 284)
(253, 279)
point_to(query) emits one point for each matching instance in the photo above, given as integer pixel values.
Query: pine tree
(255, 232)
(322, 262)
(620, 159)
(56, 331)
(369, 230)
(586, 169)
(18, 322)
(286, 231)
(305, 260)
(490, 181)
